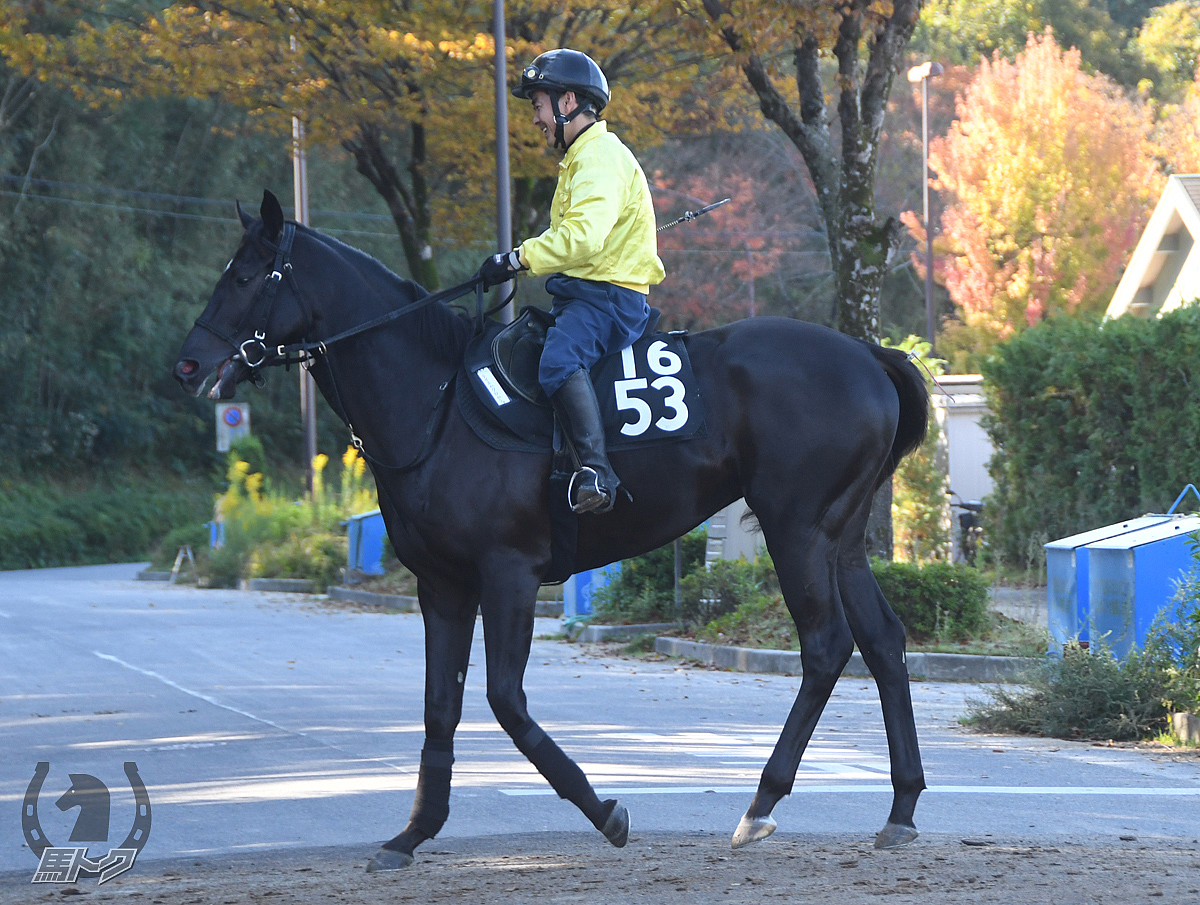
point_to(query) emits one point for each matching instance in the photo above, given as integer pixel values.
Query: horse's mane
(438, 327)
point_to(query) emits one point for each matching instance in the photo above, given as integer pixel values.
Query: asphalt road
(270, 721)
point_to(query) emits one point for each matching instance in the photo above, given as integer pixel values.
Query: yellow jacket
(601, 218)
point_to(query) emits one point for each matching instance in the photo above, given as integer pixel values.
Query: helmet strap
(560, 120)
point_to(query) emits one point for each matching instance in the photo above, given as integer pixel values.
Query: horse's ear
(243, 216)
(272, 217)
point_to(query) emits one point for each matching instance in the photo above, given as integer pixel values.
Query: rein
(304, 353)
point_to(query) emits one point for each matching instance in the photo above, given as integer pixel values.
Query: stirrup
(592, 497)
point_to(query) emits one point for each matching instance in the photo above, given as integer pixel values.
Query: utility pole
(308, 387)
(504, 241)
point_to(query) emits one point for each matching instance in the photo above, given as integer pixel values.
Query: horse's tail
(914, 402)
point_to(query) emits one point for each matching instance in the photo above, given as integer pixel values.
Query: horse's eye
(242, 281)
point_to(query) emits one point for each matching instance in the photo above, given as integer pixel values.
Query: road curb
(549, 608)
(594, 633)
(370, 598)
(288, 585)
(931, 667)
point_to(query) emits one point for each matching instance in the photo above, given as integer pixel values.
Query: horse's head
(252, 308)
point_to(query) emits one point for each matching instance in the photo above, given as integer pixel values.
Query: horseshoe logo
(32, 827)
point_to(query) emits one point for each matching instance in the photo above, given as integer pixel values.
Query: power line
(163, 196)
(179, 215)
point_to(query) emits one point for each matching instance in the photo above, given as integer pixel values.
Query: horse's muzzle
(193, 377)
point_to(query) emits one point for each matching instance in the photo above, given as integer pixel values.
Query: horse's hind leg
(507, 599)
(806, 565)
(880, 637)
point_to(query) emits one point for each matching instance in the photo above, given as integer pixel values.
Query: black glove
(499, 269)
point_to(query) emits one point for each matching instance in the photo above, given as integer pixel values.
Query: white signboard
(233, 422)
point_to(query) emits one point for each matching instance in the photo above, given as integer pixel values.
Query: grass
(1004, 638)
(395, 580)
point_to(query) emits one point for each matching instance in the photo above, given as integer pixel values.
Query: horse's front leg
(508, 593)
(449, 626)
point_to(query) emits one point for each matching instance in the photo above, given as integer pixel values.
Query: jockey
(600, 249)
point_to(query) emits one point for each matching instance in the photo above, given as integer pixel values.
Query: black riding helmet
(556, 71)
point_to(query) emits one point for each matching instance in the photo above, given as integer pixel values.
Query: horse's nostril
(187, 367)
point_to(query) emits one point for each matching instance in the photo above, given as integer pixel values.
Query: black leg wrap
(431, 806)
(561, 772)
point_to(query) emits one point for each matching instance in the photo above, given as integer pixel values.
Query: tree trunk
(842, 172)
(409, 207)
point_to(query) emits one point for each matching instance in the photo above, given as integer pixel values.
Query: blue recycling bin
(1068, 575)
(1133, 576)
(579, 588)
(366, 535)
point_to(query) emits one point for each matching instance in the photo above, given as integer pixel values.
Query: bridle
(264, 299)
(255, 353)
(296, 353)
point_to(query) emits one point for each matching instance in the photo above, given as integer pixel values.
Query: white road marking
(250, 716)
(827, 789)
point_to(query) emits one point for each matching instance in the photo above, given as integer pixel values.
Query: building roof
(1164, 271)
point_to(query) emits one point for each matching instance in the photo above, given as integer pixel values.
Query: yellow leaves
(481, 47)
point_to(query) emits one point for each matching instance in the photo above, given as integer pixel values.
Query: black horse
(803, 422)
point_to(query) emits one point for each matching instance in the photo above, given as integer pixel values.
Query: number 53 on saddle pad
(647, 392)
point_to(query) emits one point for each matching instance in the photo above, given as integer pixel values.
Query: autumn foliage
(1049, 173)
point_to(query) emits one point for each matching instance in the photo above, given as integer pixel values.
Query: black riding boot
(594, 486)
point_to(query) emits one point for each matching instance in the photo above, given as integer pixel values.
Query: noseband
(256, 348)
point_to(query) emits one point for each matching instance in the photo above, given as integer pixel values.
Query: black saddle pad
(647, 394)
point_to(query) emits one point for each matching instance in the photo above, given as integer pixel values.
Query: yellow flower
(320, 460)
(349, 456)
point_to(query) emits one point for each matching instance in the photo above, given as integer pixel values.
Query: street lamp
(503, 201)
(922, 74)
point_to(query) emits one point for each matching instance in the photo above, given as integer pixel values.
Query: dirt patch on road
(577, 869)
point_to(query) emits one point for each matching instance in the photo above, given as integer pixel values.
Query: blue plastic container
(1134, 576)
(367, 536)
(1068, 575)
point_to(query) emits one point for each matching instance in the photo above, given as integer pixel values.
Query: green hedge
(44, 523)
(1093, 423)
(938, 601)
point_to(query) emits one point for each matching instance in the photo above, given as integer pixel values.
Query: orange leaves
(1049, 172)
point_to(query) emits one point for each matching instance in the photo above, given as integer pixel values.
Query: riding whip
(688, 216)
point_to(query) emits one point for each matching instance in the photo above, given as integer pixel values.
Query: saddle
(647, 394)
(650, 381)
(517, 350)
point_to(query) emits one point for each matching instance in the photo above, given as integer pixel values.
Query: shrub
(763, 621)
(726, 585)
(271, 536)
(95, 519)
(1175, 639)
(1087, 693)
(319, 556)
(195, 535)
(644, 591)
(938, 601)
(920, 513)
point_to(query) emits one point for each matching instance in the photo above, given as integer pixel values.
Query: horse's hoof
(386, 859)
(752, 829)
(894, 835)
(616, 827)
